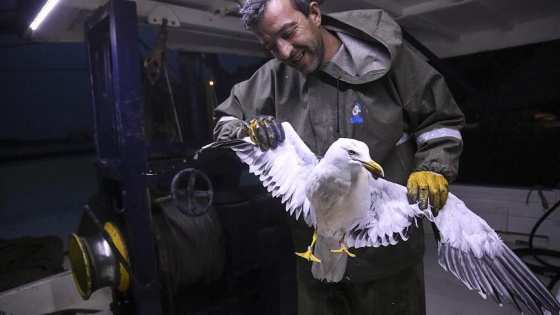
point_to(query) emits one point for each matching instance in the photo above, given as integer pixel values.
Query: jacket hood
(361, 31)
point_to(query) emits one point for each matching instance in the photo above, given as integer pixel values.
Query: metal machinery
(198, 249)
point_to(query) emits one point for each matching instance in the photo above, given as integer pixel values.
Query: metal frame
(111, 39)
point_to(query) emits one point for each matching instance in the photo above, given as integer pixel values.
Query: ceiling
(447, 27)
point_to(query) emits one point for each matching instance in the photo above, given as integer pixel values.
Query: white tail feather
(332, 265)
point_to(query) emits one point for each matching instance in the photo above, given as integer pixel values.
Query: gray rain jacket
(375, 89)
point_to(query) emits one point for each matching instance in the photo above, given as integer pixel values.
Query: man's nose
(284, 50)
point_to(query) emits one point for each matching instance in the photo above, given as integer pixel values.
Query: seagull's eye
(351, 152)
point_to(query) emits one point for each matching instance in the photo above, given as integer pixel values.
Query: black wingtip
(437, 234)
(218, 149)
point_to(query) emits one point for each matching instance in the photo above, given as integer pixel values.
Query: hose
(545, 267)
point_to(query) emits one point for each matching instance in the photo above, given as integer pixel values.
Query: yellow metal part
(83, 262)
(81, 266)
(119, 243)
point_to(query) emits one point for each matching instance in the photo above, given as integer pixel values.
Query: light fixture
(47, 8)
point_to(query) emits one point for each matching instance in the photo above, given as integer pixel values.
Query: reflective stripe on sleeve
(227, 118)
(438, 133)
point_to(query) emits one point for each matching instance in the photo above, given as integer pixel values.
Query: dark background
(510, 97)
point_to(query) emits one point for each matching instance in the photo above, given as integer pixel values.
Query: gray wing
(468, 247)
(389, 219)
(471, 250)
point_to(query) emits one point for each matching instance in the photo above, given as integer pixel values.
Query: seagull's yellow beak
(374, 167)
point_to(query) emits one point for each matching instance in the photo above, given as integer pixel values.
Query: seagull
(345, 198)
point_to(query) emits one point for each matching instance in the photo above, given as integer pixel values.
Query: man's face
(291, 37)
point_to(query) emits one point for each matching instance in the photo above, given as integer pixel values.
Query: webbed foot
(309, 255)
(343, 249)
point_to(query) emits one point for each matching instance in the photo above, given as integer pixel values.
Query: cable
(537, 253)
(176, 117)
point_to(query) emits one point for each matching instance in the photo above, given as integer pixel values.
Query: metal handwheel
(192, 200)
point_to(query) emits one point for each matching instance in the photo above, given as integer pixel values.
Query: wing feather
(483, 286)
(389, 219)
(469, 248)
(475, 254)
(282, 171)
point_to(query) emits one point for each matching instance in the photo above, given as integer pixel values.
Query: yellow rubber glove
(427, 188)
(265, 131)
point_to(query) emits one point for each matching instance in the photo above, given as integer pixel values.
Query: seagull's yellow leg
(309, 253)
(343, 249)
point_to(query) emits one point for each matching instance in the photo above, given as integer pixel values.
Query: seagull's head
(353, 152)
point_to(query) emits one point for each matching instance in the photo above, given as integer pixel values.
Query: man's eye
(289, 34)
(351, 152)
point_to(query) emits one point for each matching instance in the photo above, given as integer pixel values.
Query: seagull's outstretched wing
(475, 254)
(468, 247)
(389, 219)
(282, 171)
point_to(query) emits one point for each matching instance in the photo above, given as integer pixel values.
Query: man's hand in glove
(265, 131)
(425, 188)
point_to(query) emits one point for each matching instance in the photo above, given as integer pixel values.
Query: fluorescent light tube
(47, 8)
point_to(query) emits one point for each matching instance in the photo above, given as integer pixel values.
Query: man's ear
(315, 13)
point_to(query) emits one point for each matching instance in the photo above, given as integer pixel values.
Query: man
(349, 75)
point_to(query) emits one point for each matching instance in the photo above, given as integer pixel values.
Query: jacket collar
(371, 40)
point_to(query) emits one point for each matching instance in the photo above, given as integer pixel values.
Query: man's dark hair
(252, 10)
